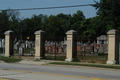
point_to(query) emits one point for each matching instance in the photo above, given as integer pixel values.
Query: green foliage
(9, 59)
(26, 51)
(37, 60)
(52, 25)
(92, 27)
(76, 60)
(109, 12)
(57, 25)
(4, 22)
(61, 58)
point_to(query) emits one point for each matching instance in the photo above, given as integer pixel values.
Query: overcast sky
(88, 11)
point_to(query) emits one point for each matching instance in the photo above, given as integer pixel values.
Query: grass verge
(9, 59)
(90, 65)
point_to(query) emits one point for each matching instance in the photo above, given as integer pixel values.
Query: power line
(52, 7)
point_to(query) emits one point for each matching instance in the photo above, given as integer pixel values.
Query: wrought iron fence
(55, 48)
(24, 45)
(92, 49)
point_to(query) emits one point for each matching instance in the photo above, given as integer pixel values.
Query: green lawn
(27, 51)
(87, 58)
(91, 65)
(80, 57)
(62, 58)
(9, 59)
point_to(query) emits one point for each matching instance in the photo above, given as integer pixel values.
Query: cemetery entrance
(55, 48)
(93, 49)
(24, 45)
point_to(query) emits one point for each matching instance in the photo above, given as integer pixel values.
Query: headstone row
(93, 48)
(55, 49)
(24, 44)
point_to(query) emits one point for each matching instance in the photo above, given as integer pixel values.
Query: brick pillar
(39, 44)
(113, 46)
(8, 43)
(71, 45)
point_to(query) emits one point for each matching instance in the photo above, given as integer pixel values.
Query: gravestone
(61, 43)
(101, 49)
(3, 43)
(33, 44)
(82, 45)
(65, 42)
(26, 43)
(64, 48)
(46, 48)
(29, 44)
(93, 43)
(89, 48)
(15, 40)
(49, 49)
(23, 45)
(95, 47)
(16, 45)
(21, 51)
(0, 43)
(105, 47)
(48, 43)
(32, 52)
(78, 43)
(51, 43)
(54, 49)
(103, 39)
(79, 48)
(60, 49)
(105, 42)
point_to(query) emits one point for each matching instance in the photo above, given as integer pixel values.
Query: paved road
(34, 72)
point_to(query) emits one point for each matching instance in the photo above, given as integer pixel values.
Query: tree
(52, 26)
(9, 20)
(92, 27)
(4, 22)
(13, 19)
(77, 19)
(65, 23)
(109, 12)
(30, 25)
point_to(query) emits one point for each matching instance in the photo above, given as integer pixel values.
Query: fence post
(113, 46)
(39, 44)
(71, 45)
(8, 43)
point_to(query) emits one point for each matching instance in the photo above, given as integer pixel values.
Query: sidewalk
(34, 62)
(42, 62)
(47, 63)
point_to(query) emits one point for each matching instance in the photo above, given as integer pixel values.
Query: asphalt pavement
(42, 70)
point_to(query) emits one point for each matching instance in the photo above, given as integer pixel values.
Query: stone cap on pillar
(39, 32)
(9, 32)
(113, 32)
(70, 32)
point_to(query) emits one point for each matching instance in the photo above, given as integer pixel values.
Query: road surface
(14, 71)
